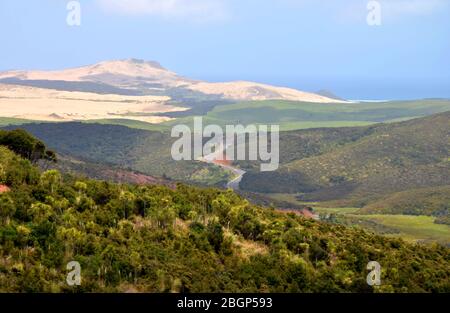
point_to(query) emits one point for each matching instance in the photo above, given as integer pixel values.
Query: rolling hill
(350, 166)
(292, 115)
(427, 201)
(358, 166)
(147, 152)
(158, 239)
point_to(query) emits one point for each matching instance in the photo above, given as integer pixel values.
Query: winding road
(213, 159)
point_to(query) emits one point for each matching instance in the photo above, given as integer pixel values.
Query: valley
(400, 181)
(153, 238)
(379, 170)
(217, 154)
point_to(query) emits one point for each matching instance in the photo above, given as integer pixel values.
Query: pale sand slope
(147, 75)
(53, 105)
(120, 73)
(243, 90)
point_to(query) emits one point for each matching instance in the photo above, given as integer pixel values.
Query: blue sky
(305, 44)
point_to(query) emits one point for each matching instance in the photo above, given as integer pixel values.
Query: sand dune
(243, 90)
(147, 76)
(53, 105)
(119, 73)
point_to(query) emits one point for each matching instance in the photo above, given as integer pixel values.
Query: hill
(292, 115)
(355, 167)
(427, 201)
(328, 94)
(101, 171)
(136, 90)
(156, 239)
(147, 152)
(350, 166)
(139, 77)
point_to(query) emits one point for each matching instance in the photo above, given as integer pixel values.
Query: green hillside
(129, 123)
(140, 150)
(350, 166)
(428, 201)
(377, 161)
(291, 115)
(5, 121)
(101, 171)
(131, 238)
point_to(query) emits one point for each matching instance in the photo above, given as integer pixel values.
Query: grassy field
(335, 210)
(413, 228)
(291, 115)
(5, 121)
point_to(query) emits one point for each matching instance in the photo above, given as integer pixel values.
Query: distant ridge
(151, 78)
(329, 94)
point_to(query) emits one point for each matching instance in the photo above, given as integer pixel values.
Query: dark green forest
(142, 238)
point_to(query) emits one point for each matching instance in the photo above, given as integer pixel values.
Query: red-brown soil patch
(4, 188)
(224, 161)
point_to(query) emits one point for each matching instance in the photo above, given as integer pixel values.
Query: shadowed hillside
(362, 165)
(145, 151)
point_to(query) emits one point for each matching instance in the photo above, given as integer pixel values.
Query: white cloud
(193, 10)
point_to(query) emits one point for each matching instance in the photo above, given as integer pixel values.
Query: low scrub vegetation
(186, 239)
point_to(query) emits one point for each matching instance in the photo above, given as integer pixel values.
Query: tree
(51, 179)
(41, 212)
(7, 208)
(27, 146)
(2, 174)
(215, 235)
(128, 201)
(165, 217)
(81, 187)
(50, 156)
